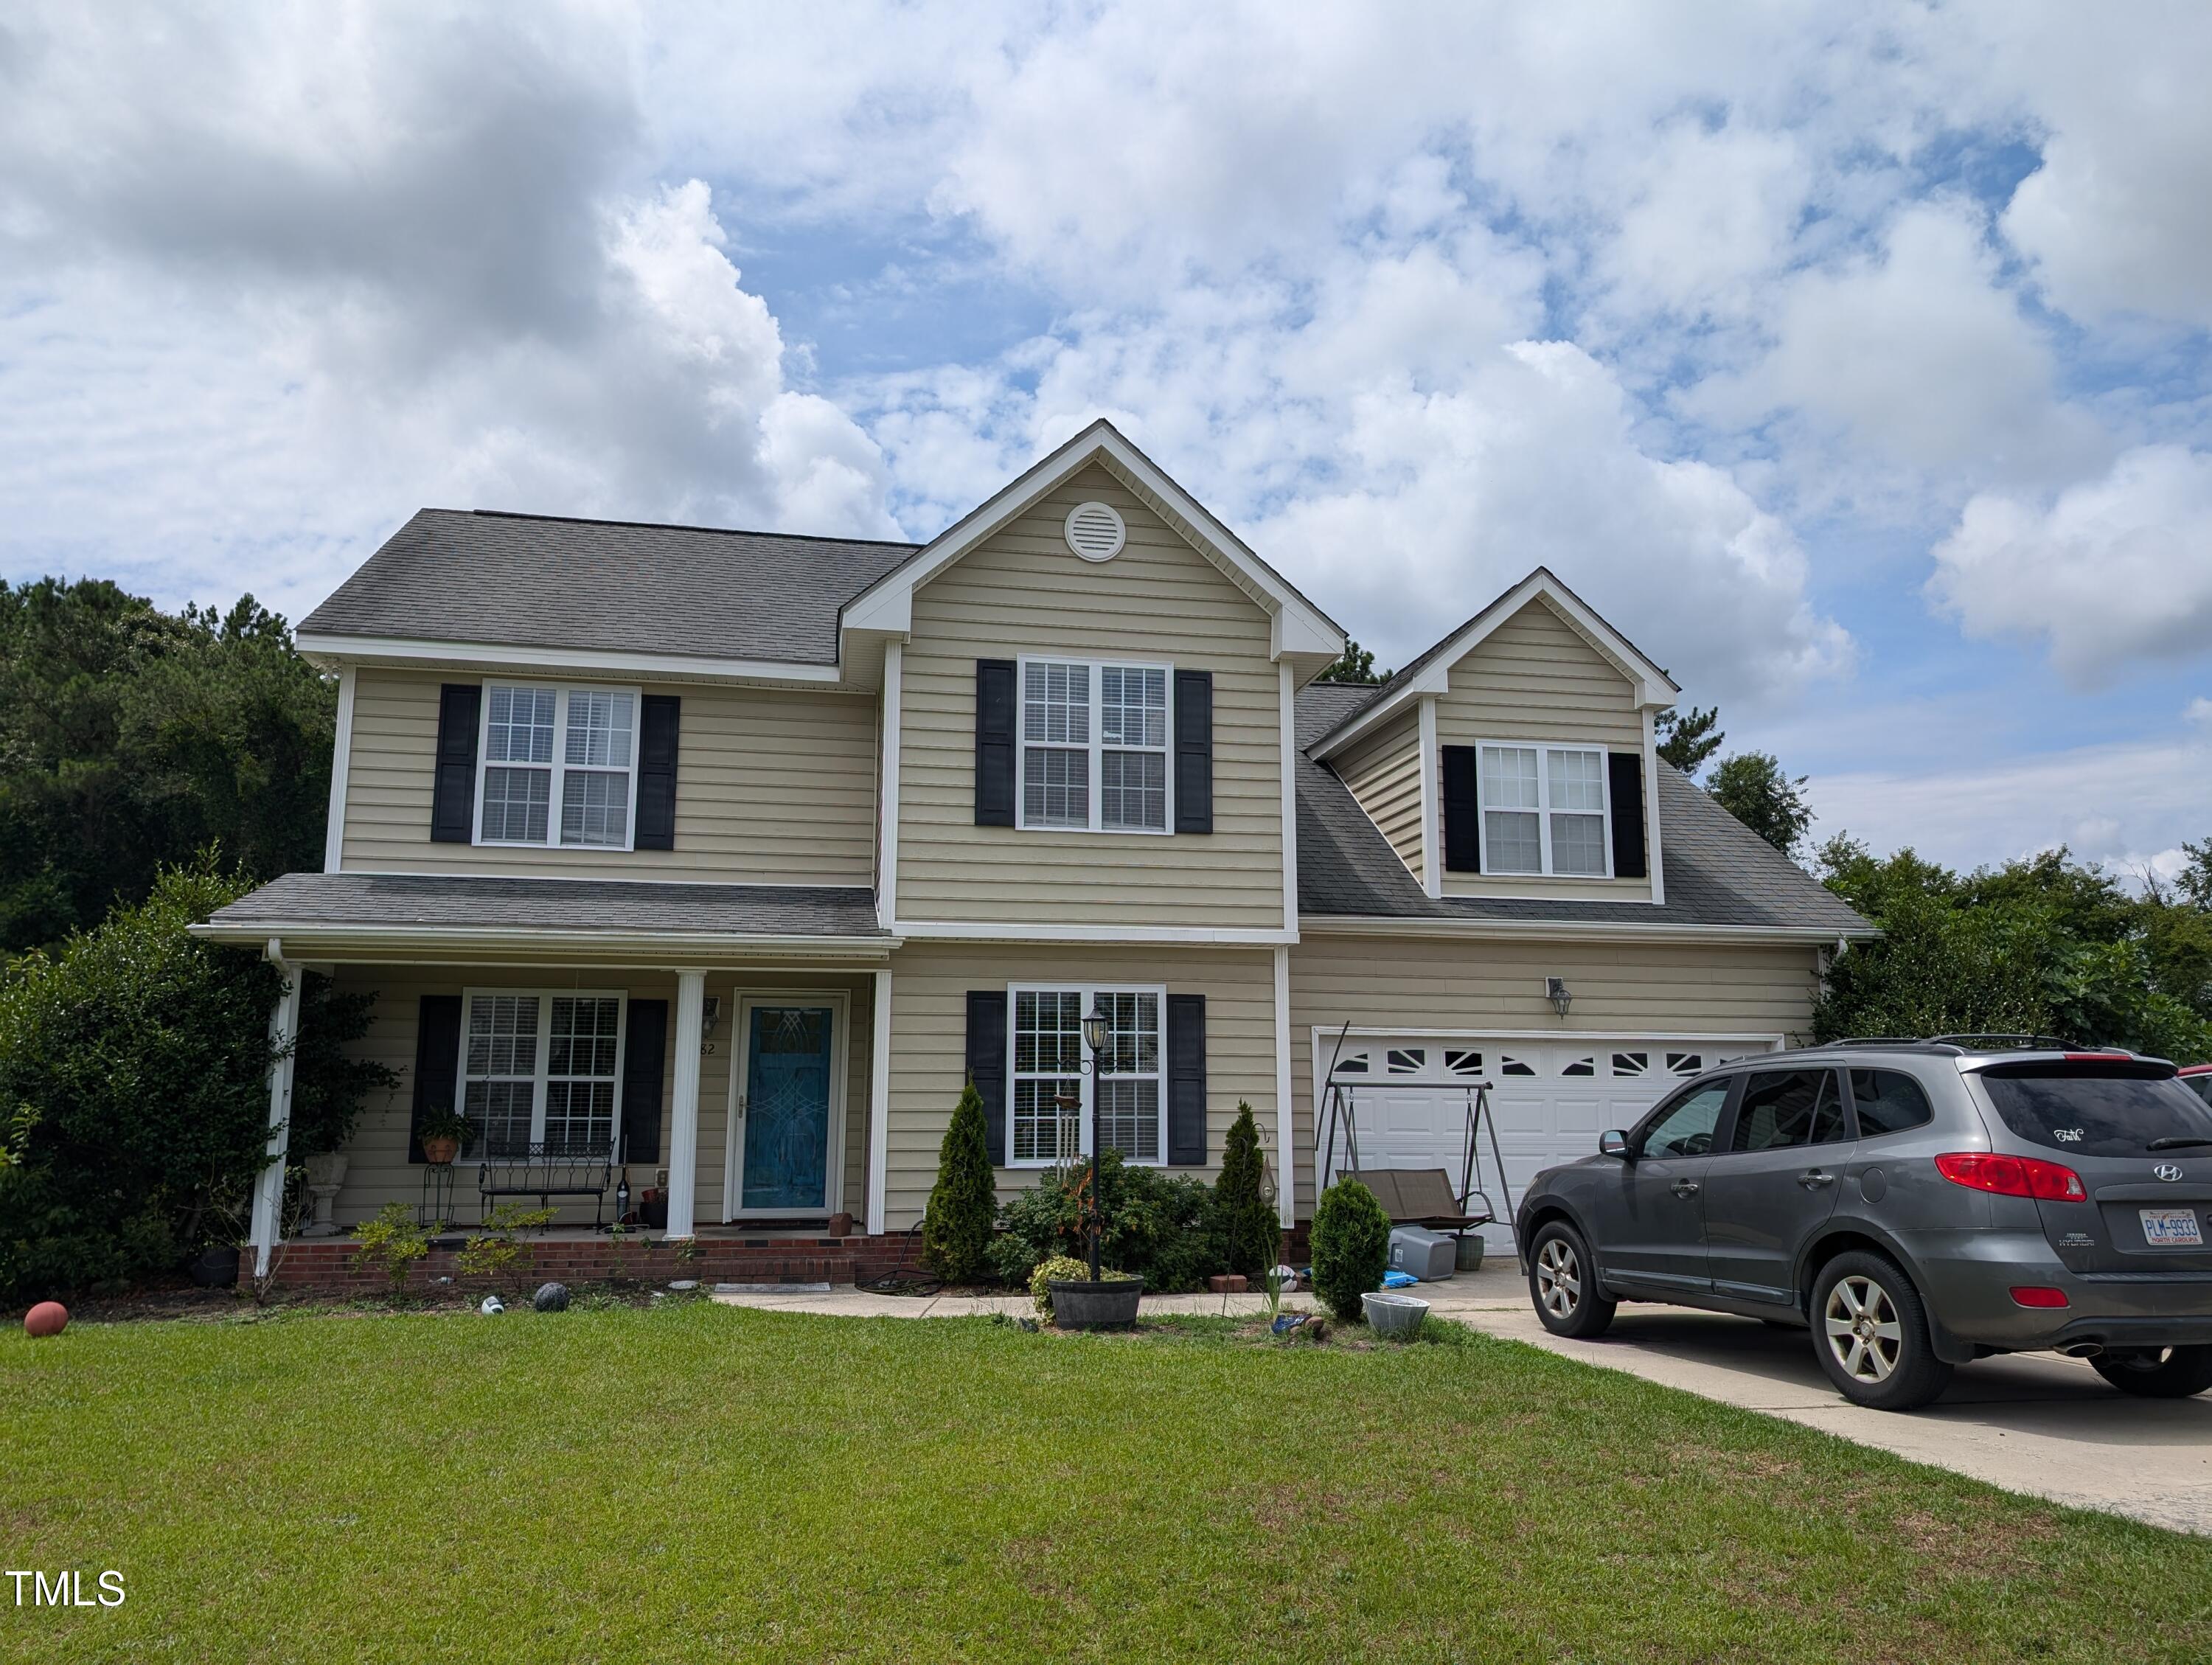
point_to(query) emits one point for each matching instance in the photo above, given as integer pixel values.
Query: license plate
(2171, 1228)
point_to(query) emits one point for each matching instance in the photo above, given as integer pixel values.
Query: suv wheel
(1563, 1283)
(2156, 1372)
(1870, 1335)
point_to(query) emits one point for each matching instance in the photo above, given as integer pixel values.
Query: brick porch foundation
(325, 1266)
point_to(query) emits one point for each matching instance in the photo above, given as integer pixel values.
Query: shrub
(1158, 1226)
(493, 1248)
(1351, 1248)
(391, 1243)
(957, 1231)
(1244, 1220)
(1067, 1269)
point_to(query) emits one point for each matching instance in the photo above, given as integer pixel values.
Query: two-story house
(735, 855)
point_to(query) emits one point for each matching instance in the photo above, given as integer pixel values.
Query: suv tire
(2156, 1372)
(1870, 1333)
(1563, 1283)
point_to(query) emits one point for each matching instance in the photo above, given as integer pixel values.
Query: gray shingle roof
(434, 900)
(527, 581)
(1718, 871)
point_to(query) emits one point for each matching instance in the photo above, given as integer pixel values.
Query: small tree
(1688, 739)
(1752, 787)
(963, 1204)
(1351, 1248)
(1243, 1215)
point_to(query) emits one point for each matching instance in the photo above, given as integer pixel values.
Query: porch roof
(360, 915)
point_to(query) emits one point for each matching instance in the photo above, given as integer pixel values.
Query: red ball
(47, 1318)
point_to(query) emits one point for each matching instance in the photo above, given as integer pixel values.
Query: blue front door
(786, 1112)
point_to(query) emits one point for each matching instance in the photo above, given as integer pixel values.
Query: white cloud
(2114, 570)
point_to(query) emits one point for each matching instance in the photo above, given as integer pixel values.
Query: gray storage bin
(1428, 1255)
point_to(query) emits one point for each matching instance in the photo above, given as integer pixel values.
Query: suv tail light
(2013, 1176)
(2038, 1295)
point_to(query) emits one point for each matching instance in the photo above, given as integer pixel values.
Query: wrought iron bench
(547, 1172)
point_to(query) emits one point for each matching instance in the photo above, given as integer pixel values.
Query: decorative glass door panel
(784, 1142)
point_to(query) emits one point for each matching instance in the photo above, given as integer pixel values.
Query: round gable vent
(1095, 531)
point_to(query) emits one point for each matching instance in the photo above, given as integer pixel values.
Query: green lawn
(700, 1483)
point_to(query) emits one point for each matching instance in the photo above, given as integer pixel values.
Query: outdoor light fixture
(1095, 1026)
(1555, 991)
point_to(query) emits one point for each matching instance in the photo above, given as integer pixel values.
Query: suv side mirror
(1614, 1143)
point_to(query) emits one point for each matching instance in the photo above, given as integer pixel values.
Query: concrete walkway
(2032, 1423)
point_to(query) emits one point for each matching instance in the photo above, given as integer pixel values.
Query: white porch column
(269, 1188)
(684, 1132)
(1287, 1147)
(879, 1102)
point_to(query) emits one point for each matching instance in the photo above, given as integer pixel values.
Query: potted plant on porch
(442, 1133)
(1097, 1302)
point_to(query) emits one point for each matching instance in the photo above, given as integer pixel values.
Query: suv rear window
(2097, 1114)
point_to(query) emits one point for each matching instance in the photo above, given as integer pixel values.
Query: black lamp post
(1095, 1027)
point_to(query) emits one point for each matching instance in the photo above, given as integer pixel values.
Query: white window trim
(1097, 745)
(1088, 993)
(538, 1094)
(561, 689)
(1543, 811)
(748, 1001)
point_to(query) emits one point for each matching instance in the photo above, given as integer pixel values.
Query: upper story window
(1094, 745)
(1544, 811)
(559, 766)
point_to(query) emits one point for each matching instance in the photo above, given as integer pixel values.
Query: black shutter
(644, 1050)
(995, 744)
(987, 1064)
(1186, 1079)
(1194, 751)
(659, 716)
(437, 1062)
(1462, 811)
(453, 798)
(1624, 773)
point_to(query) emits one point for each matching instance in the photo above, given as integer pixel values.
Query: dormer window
(1544, 811)
(559, 766)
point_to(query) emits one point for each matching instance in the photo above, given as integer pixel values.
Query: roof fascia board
(1653, 687)
(322, 936)
(1351, 925)
(1296, 625)
(322, 647)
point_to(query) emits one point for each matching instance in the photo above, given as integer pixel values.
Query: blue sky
(1853, 361)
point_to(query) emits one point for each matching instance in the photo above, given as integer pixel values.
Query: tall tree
(1355, 664)
(130, 738)
(1752, 787)
(1688, 739)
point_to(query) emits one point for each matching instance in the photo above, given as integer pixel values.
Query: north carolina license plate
(2172, 1228)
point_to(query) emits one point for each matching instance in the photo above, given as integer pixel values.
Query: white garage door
(1409, 1096)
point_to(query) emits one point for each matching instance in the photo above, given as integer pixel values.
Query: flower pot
(1226, 1283)
(1389, 1314)
(215, 1268)
(325, 1168)
(1107, 1304)
(440, 1151)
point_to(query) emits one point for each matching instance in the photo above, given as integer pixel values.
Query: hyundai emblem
(2167, 1170)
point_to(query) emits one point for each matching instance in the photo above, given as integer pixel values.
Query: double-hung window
(560, 766)
(541, 1069)
(1095, 745)
(1544, 811)
(1051, 1086)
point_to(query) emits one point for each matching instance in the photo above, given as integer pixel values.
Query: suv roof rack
(2002, 1042)
(1876, 1040)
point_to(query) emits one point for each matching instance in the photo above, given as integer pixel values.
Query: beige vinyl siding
(1395, 983)
(1537, 678)
(929, 1043)
(378, 1171)
(1383, 771)
(772, 787)
(1023, 592)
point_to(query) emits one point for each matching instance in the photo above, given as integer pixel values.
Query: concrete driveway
(2028, 1422)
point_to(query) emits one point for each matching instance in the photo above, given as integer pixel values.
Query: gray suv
(1916, 1204)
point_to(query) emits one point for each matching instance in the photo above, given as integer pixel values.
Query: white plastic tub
(1389, 1313)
